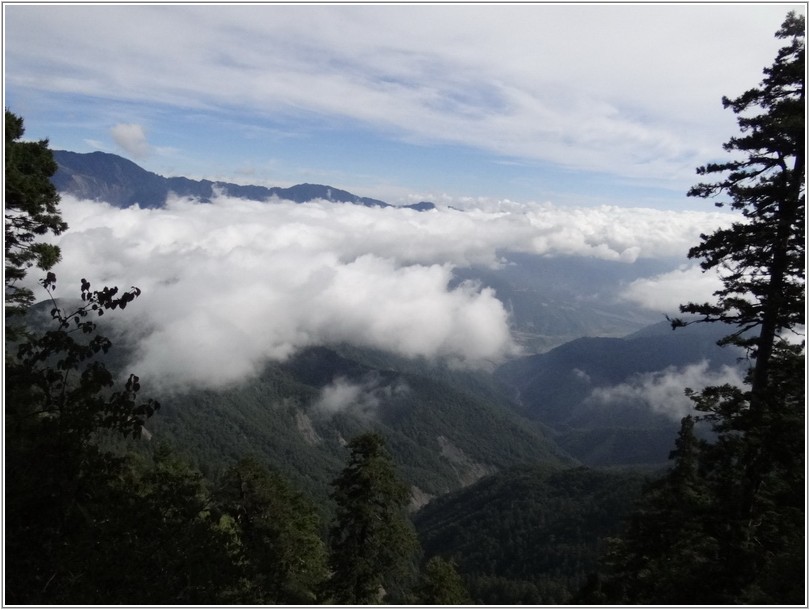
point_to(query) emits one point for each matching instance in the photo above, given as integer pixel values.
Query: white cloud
(663, 391)
(361, 398)
(667, 291)
(228, 285)
(131, 138)
(342, 394)
(582, 375)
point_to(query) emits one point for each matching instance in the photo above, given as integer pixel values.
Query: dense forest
(95, 514)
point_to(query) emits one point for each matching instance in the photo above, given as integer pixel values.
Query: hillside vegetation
(528, 535)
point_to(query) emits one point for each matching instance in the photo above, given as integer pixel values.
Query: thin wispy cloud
(598, 88)
(360, 397)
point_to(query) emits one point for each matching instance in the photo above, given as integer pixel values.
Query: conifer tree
(31, 211)
(665, 547)
(441, 585)
(736, 503)
(762, 257)
(282, 554)
(372, 541)
(763, 296)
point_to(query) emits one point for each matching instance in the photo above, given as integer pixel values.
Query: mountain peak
(120, 182)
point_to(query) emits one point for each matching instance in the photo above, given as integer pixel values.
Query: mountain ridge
(558, 388)
(120, 182)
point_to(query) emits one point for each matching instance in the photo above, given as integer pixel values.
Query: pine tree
(725, 526)
(31, 211)
(372, 541)
(666, 553)
(283, 556)
(763, 263)
(762, 258)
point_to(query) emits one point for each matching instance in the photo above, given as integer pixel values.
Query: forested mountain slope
(619, 400)
(298, 415)
(528, 535)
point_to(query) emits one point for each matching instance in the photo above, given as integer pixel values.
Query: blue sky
(570, 104)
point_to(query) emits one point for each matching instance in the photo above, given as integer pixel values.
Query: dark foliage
(440, 585)
(31, 211)
(528, 535)
(372, 542)
(281, 554)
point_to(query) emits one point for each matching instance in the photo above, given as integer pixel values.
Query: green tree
(665, 552)
(729, 511)
(282, 554)
(372, 541)
(762, 257)
(31, 211)
(441, 585)
(763, 263)
(756, 471)
(149, 538)
(59, 398)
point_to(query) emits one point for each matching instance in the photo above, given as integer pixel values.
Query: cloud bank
(665, 292)
(230, 285)
(663, 391)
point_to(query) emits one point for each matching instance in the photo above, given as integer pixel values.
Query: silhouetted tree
(58, 398)
(762, 258)
(713, 530)
(31, 211)
(763, 262)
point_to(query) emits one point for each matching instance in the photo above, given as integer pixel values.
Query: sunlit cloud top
(230, 285)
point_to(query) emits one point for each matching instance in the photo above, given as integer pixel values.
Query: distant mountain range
(120, 182)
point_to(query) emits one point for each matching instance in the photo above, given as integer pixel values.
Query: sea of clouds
(229, 285)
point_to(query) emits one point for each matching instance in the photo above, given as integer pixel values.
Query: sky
(571, 104)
